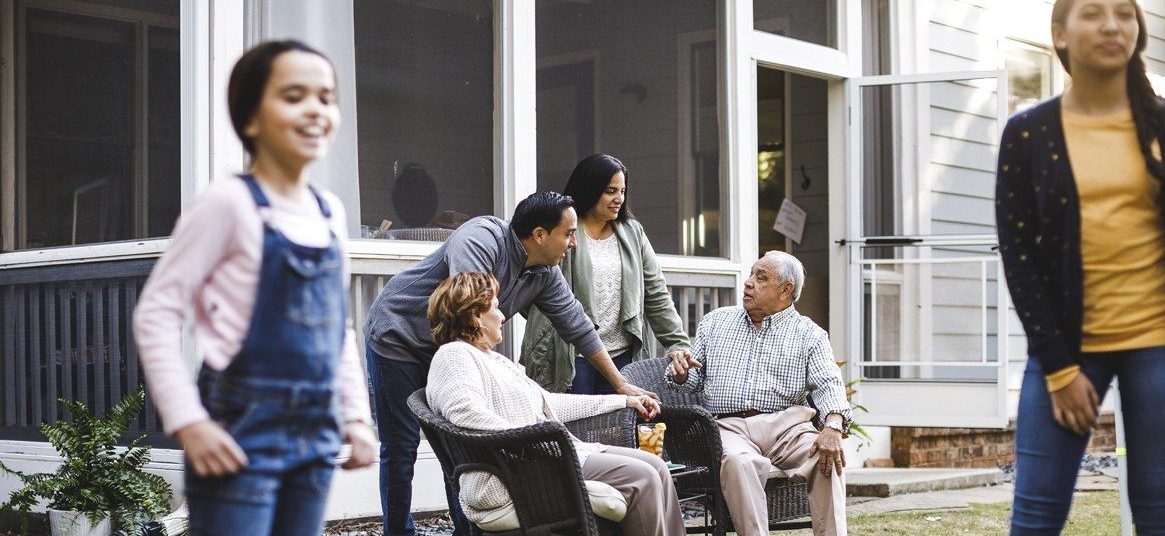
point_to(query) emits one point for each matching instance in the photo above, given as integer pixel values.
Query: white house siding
(1155, 19)
(959, 183)
(956, 184)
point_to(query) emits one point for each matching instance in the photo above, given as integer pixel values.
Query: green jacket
(550, 361)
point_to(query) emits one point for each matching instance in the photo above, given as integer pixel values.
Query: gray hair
(789, 269)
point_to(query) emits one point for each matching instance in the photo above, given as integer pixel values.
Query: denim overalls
(277, 397)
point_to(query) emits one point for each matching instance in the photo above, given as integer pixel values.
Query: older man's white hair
(789, 269)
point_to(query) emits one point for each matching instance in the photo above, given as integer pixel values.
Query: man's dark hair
(540, 209)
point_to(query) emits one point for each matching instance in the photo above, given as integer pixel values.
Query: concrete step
(884, 482)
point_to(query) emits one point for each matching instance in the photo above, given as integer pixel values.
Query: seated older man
(755, 367)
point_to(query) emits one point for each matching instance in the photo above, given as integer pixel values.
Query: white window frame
(142, 20)
(208, 140)
(793, 56)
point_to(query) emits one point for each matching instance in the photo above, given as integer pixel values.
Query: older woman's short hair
(456, 306)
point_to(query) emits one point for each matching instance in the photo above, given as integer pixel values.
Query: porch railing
(66, 332)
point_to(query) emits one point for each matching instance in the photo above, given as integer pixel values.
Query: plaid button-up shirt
(768, 369)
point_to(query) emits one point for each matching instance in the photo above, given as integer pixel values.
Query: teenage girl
(260, 263)
(1081, 233)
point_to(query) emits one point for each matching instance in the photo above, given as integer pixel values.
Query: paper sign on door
(790, 221)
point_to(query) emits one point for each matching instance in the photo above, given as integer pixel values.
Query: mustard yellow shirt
(1121, 242)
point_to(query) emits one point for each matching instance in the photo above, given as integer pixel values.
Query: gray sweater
(398, 328)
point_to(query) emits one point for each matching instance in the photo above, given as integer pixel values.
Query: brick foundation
(974, 447)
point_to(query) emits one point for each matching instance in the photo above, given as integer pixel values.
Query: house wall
(1155, 19)
(960, 35)
(960, 130)
(958, 178)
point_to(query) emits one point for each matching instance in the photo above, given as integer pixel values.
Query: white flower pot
(69, 523)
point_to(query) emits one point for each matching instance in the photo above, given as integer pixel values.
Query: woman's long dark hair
(1146, 105)
(588, 180)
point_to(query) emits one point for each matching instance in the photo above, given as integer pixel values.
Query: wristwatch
(834, 425)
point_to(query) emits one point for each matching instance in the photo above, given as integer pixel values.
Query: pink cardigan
(211, 270)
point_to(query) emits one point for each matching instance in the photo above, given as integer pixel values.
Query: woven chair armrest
(692, 436)
(543, 431)
(616, 428)
(539, 468)
(649, 374)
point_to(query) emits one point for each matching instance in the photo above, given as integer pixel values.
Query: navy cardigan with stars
(1037, 215)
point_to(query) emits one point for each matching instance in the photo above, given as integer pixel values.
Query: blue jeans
(290, 503)
(400, 434)
(588, 381)
(1048, 456)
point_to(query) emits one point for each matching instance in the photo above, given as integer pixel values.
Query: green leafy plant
(96, 476)
(854, 426)
(850, 391)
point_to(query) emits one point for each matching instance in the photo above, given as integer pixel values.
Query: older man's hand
(831, 455)
(681, 362)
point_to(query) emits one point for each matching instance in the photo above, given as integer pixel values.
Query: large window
(425, 99)
(1029, 74)
(639, 80)
(813, 21)
(415, 157)
(96, 122)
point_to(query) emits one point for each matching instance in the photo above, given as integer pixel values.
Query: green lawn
(1093, 513)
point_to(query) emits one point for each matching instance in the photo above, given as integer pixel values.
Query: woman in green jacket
(614, 274)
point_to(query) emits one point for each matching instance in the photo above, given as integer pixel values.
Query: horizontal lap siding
(959, 179)
(1155, 19)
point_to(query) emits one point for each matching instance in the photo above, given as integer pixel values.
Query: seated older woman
(479, 389)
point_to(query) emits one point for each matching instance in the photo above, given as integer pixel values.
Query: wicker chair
(537, 463)
(787, 500)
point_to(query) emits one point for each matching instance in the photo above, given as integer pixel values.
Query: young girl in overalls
(259, 262)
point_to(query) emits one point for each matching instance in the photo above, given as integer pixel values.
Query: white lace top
(607, 279)
(487, 391)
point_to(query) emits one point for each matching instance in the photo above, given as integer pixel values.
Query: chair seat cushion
(606, 502)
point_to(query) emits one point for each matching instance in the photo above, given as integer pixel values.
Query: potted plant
(855, 428)
(98, 485)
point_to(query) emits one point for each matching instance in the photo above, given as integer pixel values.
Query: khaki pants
(653, 508)
(752, 446)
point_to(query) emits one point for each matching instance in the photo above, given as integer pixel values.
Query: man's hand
(681, 362)
(631, 389)
(1075, 406)
(645, 405)
(363, 441)
(210, 450)
(831, 455)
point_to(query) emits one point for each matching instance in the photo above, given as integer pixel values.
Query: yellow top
(1121, 242)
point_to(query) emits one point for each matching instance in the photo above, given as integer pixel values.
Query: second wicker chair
(787, 500)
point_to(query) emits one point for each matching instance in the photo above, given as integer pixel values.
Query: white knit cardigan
(482, 390)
